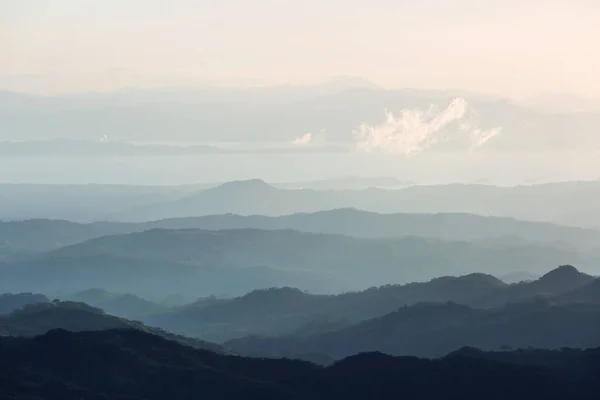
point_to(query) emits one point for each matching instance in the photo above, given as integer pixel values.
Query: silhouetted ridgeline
(119, 358)
(37, 319)
(35, 235)
(121, 364)
(293, 312)
(432, 330)
(122, 305)
(10, 302)
(159, 262)
(572, 203)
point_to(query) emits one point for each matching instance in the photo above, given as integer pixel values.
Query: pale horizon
(471, 91)
(515, 50)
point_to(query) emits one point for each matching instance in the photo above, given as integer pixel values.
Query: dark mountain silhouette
(121, 305)
(589, 293)
(37, 319)
(120, 364)
(559, 281)
(274, 311)
(14, 301)
(293, 312)
(432, 330)
(565, 277)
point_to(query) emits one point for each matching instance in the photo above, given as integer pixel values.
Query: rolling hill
(189, 259)
(148, 278)
(130, 364)
(432, 330)
(38, 319)
(10, 302)
(287, 311)
(124, 305)
(570, 203)
(43, 235)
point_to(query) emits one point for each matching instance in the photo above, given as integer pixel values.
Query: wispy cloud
(303, 140)
(415, 130)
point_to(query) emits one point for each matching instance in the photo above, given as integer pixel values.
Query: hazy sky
(510, 47)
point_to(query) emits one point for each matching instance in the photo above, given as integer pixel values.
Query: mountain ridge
(155, 368)
(46, 234)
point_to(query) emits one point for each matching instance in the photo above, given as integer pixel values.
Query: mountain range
(288, 311)
(570, 203)
(565, 203)
(10, 302)
(36, 235)
(159, 262)
(39, 318)
(73, 350)
(122, 364)
(432, 330)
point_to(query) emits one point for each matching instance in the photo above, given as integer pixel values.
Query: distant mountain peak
(565, 275)
(562, 271)
(275, 293)
(479, 277)
(249, 184)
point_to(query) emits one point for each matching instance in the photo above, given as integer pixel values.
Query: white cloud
(303, 140)
(480, 137)
(415, 131)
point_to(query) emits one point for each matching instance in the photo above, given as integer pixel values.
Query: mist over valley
(299, 200)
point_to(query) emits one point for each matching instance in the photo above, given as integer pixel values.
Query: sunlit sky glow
(514, 47)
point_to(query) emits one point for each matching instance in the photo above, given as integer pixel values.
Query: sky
(516, 48)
